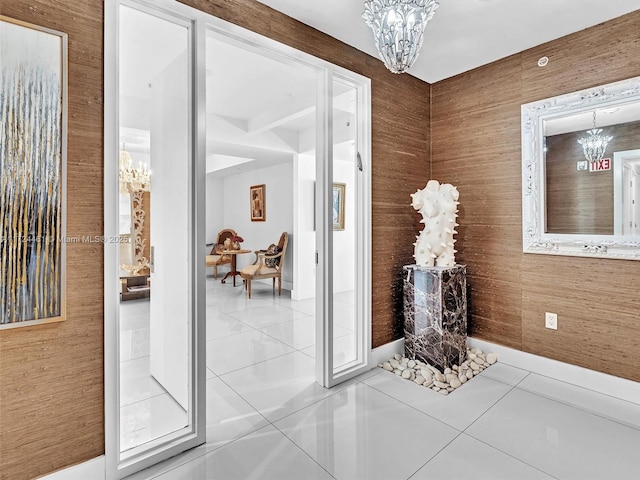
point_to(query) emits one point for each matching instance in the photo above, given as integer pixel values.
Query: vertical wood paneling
(400, 132)
(51, 376)
(476, 146)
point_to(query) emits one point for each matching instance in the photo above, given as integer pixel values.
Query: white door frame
(324, 344)
(195, 433)
(325, 375)
(618, 187)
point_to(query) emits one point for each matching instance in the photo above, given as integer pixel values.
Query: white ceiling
(260, 108)
(463, 34)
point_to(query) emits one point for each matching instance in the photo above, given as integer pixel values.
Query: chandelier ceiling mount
(398, 28)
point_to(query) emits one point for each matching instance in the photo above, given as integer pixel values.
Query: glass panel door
(157, 323)
(344, 225)
(344, 239)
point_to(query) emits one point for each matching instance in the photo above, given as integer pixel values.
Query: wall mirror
(581, 173)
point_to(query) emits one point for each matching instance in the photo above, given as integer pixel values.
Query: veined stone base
(435, 314)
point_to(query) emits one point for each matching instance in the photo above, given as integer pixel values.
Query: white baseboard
(385, 352)
(94, 469)
(597, 381)
(611, 385)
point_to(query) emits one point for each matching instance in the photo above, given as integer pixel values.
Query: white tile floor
(268, 419)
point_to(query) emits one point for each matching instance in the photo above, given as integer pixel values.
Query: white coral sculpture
(438, 205)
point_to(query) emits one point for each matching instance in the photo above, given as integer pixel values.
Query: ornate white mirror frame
(534, 114)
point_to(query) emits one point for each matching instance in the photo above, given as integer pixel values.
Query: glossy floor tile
(264, 455)
(229, 416)
(468, 458)
(595, 402)
(149, 419)
(505, 373)
(241, 350)
(265, 315)
(301, 333)
(360, 432)
(560, 440)
(220, 325)
(459, 409)
(136, 382)
(280, 386)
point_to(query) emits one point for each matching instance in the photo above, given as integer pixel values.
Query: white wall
(279, 212)
(214, 207)
(170, 234)
(344, 258)
(304, 263)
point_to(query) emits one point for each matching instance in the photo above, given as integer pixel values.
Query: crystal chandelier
(398, 27)
(132, 178)
(595, 144)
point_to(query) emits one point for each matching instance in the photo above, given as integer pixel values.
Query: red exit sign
(600, 165)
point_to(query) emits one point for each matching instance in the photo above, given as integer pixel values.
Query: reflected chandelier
(132, 178)
(595, 144)
(398, 27)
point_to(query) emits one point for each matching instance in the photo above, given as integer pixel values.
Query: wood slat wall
(51, 376)
(476, 146)
(400, 132)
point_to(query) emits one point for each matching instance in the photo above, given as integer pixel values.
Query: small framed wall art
(257, 197)
(33, 144)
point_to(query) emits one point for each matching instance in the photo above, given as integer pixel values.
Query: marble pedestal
(435, 314)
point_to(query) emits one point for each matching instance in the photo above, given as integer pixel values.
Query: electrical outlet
(551, 320)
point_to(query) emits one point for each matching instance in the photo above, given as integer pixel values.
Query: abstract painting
(32, 167)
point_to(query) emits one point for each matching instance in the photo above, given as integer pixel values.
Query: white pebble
(441, 384)
(455, 383)
(462, 377)
(406, 374)
(469, 374)
(419, 379)
(443, 392)
(433, 369)
(447, 370)
(387, 366)
(411, 364)
(492, 358)
(397, 357)
(440, 377)
(394, 363)
(474, 366)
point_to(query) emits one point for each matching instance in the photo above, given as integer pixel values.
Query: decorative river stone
(431, 377)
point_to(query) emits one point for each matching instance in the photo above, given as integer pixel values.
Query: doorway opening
(293, 128)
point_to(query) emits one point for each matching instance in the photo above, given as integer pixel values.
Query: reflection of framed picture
(33, 102)
(338, 206)
(257, 198)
